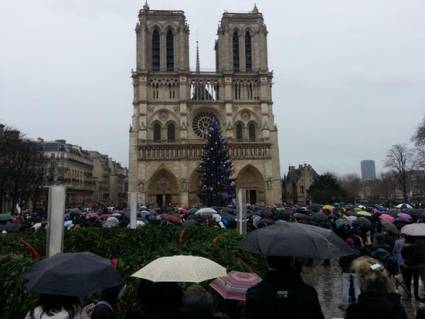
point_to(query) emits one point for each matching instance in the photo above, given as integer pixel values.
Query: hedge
(133, 248)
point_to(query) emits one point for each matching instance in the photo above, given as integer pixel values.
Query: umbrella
(71, 274)
(386, 218)
(328, 207)
(404, 206)
(181, 269)
(363, 223)
(5, 217)
(172, 219)
(193, 210)
(364, 213)
(111, 222)
(297, 240)
(265, 212)
(10, 227)
(415, 230)
(320, 217)
(352, 219)
(390, 227)
(302, 217)
(418, 213)
(235, 284)
(404, 217)
(206, 211)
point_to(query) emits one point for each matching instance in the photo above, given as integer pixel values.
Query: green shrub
(133, 248)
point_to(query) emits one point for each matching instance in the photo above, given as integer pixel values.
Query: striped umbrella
(235, 284)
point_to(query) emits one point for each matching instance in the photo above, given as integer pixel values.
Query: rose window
(201, 124)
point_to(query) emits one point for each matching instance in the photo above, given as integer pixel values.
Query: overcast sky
(349, 76)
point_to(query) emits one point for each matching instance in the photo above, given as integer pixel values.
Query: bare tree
(419, 140)
(21, 167)
(400, 159)
(419, 137)
(352, 184)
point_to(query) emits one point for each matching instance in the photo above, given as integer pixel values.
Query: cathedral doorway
(250, 179)
(163, 189)
(251, 196)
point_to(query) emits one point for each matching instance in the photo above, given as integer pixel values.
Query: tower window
(251, 132)
(248, 52)
(239, 130)
(156, 56)
(236, 65)
(171, 133)
(170, 51)
(157, 133)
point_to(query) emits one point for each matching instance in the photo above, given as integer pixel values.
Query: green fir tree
(215, 170)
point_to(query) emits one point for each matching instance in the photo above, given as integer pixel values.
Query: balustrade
(172, 152)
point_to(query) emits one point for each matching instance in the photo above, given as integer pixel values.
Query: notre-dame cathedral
(173, 107)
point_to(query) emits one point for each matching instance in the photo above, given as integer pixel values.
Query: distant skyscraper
(368, 169)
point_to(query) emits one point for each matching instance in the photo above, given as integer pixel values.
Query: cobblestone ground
(327, 281)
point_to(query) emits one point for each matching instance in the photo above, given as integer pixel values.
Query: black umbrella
(320, 217)
(71, 274)
(418, 212)
(296, 240)
(301, 216)
(11, 227)
(363, 223)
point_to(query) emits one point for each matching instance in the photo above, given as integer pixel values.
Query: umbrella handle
(35, 253)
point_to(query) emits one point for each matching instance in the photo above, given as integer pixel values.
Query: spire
(198, 66)
(255, 10)
(146, 6)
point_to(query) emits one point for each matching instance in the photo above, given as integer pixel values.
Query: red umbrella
(172, 219)
(235, 284)
(386, 218)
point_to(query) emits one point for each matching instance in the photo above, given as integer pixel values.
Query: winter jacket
(418, 253)
(282, 295)
(376, 306)
(346, 261)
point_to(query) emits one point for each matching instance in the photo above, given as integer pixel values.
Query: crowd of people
(385, 265)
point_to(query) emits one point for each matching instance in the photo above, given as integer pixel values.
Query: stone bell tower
(173, 108)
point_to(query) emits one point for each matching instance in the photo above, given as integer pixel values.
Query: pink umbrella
(235, 284)
(386, 218)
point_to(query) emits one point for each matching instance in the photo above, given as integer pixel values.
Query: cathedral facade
(173, 107)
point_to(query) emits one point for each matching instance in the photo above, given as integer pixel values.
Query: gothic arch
(170, 48)
(235, 50)
(171, 127)
(156, 49)
(163, 116)
(239, 131)
(253, 129)
(246, 115)
(163, 187)
(251, 179)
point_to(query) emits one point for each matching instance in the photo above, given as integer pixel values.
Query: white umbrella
(206, 211)
(415, 230)
(181, 269)
(404, 206)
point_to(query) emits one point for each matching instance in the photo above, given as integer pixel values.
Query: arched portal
(250, 179)
(194, 189)
(163, 188)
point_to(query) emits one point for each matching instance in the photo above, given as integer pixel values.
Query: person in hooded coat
(282, 294)
(378, 299)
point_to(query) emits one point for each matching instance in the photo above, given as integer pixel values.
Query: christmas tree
(215, 171)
